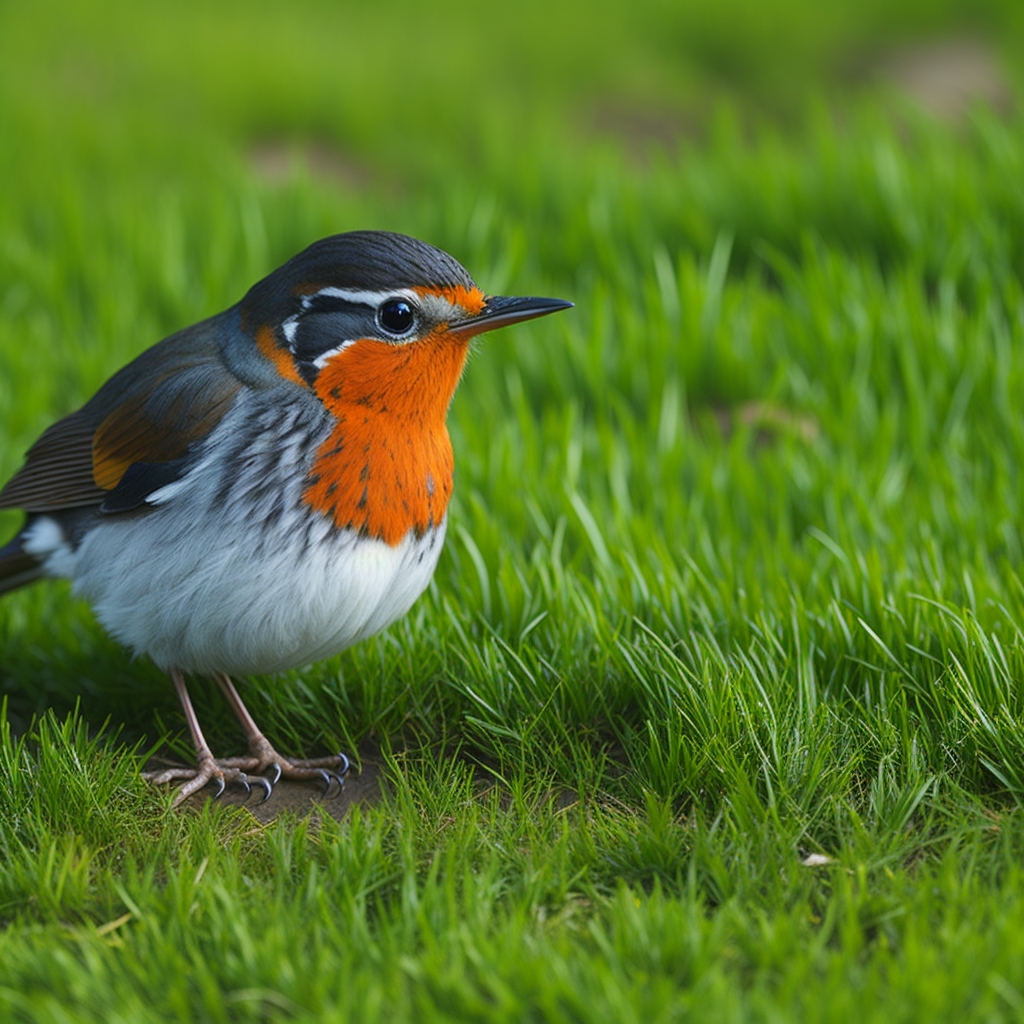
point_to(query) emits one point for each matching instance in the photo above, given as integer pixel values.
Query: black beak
(502, 310)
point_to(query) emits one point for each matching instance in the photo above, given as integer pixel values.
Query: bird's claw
(337, 775)
(267, 785)
(329, 770)
(225, 775)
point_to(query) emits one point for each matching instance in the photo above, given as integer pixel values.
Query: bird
(265, 488)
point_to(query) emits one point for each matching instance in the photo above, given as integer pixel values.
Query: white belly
(229, 599)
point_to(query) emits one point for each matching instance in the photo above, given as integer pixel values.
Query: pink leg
(208, 769)
(264, 756)
(233, 769)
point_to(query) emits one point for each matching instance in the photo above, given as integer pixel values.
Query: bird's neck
(387, 466)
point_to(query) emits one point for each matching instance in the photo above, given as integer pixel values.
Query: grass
(734, 568)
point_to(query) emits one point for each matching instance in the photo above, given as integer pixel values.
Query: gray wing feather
(154, 410)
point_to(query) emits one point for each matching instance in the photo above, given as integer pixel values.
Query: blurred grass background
(733, 571)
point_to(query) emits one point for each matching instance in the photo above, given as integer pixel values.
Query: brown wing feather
(135, 432)
(57, 471)
(152, 411)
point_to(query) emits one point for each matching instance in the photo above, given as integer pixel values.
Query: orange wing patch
(387, 467)
(129, 435)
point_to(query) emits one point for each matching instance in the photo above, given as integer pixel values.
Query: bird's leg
(264, 756)
(208, 769)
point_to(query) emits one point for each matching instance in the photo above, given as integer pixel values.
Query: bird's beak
(502, 310)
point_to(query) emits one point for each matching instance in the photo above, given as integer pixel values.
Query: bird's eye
(396, 316)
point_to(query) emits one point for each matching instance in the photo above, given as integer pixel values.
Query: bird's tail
(17, 566)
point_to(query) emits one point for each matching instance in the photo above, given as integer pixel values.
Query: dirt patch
(277, 162)
(944, 77)
(948, 77)
(768, 420)
(641, 128)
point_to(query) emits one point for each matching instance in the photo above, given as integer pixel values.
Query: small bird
(268, 487)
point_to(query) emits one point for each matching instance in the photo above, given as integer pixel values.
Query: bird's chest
(382, 476)
(386, 468)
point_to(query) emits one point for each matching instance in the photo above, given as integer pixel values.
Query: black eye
(396, 316)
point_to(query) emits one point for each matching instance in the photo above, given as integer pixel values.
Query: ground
(713, 710)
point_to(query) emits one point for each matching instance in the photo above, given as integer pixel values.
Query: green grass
(734, 571)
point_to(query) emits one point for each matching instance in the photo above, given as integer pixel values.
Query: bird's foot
(264, 758)
(208, 769)
(247, 772)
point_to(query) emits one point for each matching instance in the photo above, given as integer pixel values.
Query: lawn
(714, 708)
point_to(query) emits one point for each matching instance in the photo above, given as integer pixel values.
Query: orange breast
(387, 466)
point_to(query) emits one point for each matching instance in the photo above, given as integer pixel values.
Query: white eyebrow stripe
(436, 307)
(371, 299)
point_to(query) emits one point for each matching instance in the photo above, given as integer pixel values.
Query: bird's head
(360, 303)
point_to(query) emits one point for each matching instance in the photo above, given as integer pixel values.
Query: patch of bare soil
(769, 421)
(641, 128)
(948, 77)
(945, 77)
(276, 162)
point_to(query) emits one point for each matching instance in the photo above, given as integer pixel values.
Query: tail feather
(17, 566)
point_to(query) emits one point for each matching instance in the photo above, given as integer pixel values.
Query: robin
(268, 487)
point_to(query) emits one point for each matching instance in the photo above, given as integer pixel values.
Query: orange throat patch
(387, 466)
